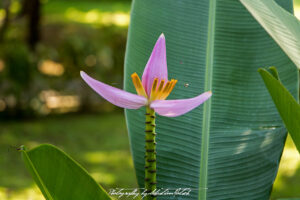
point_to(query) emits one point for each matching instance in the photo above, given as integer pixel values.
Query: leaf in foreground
(59, 177)
(286, 104)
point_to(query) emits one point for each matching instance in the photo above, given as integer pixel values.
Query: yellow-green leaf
(59, 177)
(287, 105)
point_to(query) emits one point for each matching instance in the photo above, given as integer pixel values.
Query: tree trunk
(32, 10)
(6, 5)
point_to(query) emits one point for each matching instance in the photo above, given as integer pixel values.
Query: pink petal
(156, 66)
(174, 108)
(114, 95)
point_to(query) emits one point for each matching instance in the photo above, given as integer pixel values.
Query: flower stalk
(150, 154)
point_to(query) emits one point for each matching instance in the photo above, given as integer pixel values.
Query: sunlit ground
(92, 13)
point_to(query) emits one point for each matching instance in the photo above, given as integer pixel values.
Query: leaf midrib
(47, 193)
(207, 105)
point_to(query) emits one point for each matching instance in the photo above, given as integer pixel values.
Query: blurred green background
(43, 46)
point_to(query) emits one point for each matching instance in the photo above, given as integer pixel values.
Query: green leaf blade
(59, 177)
(280, 24)
(287, 106)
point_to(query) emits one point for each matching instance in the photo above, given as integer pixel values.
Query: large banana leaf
(280, 24)
(59, 177)
(230, 147)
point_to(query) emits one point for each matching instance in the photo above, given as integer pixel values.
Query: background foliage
(44, 82)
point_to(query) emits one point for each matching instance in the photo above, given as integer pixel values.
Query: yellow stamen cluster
(159, 91)
(138, 85)
(163, 90)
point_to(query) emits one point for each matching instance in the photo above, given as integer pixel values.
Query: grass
(87, 12)
(59, 7)
(98, 142)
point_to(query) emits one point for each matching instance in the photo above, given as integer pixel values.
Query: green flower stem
(150, 153)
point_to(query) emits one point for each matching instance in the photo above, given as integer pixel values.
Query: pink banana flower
(152, 90)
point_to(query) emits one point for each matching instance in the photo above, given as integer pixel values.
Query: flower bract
(152, 90)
